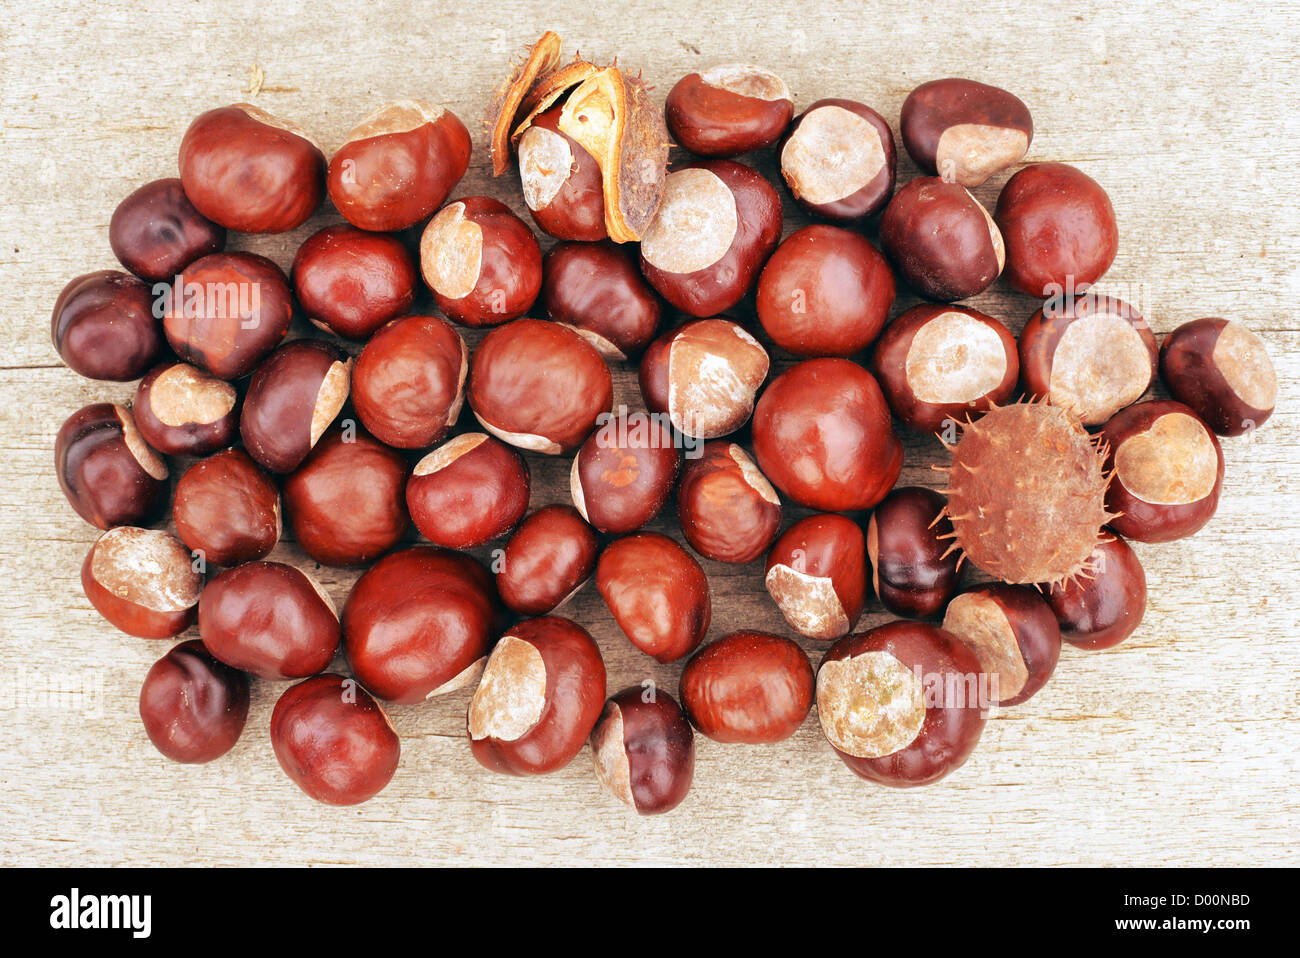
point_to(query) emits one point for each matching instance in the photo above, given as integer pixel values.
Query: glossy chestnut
(1103, 610)
(351, 282)
(142, 581)
(644, 750)
(1166, 471)
(717, 224)
(109, 474)
(1093, 355)
(182, 411)
(225, 312)
(913, 561)
(468, 491)
(657, 593)
(598, 289)
(727, 509)
(294, 396)
(270, 619)
(334, 741)
(419, 623)
(1014, 634)
(408, 384)
(728, 109)
(103, 326)
(704, 376)
(624, 472)
(748, 687)
(540, 695)
(1222, 371)
(903, 704)
(965, 131)
(823, 436)
(561, 181)
(1059, 229)
(346, 503)
(251, 171)
(156, 231)
(227, 510)
(816, 574)
(941, 240)
(944, 365)
(839, 160)
(398, 165)
(193, 707)
(481, 261)
(539, 386)
(549, 558)
(826, 291)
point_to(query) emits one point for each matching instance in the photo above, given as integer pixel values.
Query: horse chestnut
(623, 473)
(748, 687)
(598, 289)
(1014, 634)
(156, 231)
(548, 559)
(657, 593)
(816, 574)
(104, 327)
(468, 491)
(728, 510)
(293, 397)
(142, 581)
(227, 510)
(965, 131)
(561, 181)
(839, 160)
(182, 411)
(110, 476)
(193, 706)
(644, 750)
(1106, 607)
(728, 109)
(351, 282)
(913, 565)
(1222, 371)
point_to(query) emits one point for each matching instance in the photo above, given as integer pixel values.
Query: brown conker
(965, 131)
(1103, 608)
(227, 510)
(142, 581)
(109, 474)
(1014, 634)
(598, 289)
(103, 326)
(182, 411)
(624, 472)
(644, 750)
(468, 491)
(913, 562)
(816, 574)
(156, 231)
(193, 707)
(548, 559)
(1222, 371)
(294, 396)
(728, 109)
(838, 159)
(657, 593)
(748, 687)
(727, 509)
(350, 282)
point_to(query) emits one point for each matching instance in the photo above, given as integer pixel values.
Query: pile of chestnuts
(352, 436)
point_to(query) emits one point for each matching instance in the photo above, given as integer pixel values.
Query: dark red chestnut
(823, 436)
(748, 687)
(941, 240)
(622, 475)
(250, 171)
(728, 510)
(644, 750)
(728, 109)
(481, 261)
(965, 131)
(156, 231)
(839, 160)
(717, 224)
(109, 474)
(347, 501)
(548, 559)
(104, 327)
(598, 289)
(468, 491)
(826, 291)
(561, 181)
(351, 282)
(913, 561)
(1093, 355)
(1166, 471)
(182, 411)
(1058, 227)
(269, 619)
(704, 375)
(539, 698)
(1105, 608)
(192, 706)
(227, 311)
(1014, 634)
(334, 740)
(227, 510)
(903, 704)
(816, 574)
(539, 386)
(408, 384)
(658, 594)
(945, 364)
(398, 165)
(293, 397)
(142, 581)
(1222, 371)
(419, 623)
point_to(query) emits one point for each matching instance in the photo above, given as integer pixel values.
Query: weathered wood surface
(1178, 747)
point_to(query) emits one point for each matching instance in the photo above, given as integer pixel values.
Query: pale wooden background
(1179, 747)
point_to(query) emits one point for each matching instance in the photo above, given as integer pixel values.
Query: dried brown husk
(543, 58)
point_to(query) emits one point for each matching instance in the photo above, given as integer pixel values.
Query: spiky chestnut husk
(1027, 493)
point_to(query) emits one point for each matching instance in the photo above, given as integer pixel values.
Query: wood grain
(1179, 747)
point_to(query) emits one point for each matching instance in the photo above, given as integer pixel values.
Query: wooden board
(1178, 747)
